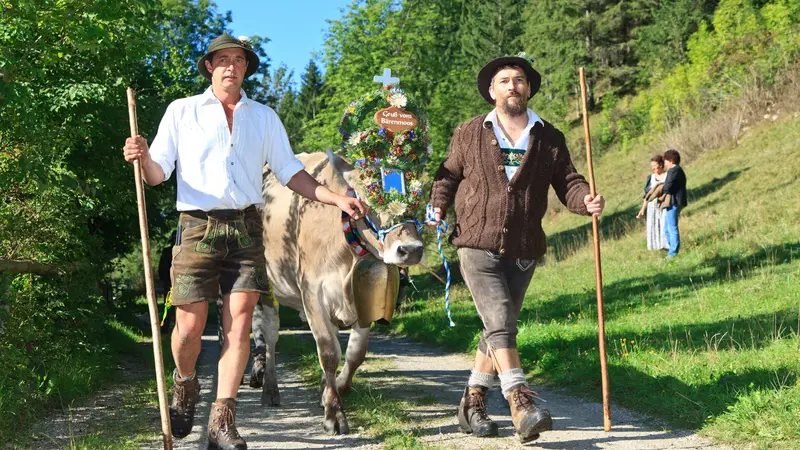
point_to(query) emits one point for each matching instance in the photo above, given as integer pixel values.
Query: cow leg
(270, 395)
(220, 334)
(323, 382)
(356, 353)
(329, 351)
(259, 345)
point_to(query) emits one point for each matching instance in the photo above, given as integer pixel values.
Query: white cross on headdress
(386, 79)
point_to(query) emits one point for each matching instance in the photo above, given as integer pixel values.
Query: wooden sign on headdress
(395, 119)
(385, 135)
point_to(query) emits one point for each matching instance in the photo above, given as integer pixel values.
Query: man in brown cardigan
(498, 170)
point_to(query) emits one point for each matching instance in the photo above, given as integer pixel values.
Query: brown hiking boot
(529, 420)
(472, 415)
(181, 410)
(222, 433)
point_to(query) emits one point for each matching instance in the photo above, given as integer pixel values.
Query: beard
(514, 106)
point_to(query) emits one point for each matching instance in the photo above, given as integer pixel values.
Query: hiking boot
(181, 410)
(472, 415)
(257, 371)
(222, 433)
(529, 420)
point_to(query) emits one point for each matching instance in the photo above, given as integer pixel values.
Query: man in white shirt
(219, 142)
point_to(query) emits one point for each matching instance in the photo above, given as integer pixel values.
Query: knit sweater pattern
(493, 212)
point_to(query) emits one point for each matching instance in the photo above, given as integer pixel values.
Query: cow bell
(374, 285)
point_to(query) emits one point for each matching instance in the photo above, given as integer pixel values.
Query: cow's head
(402, 246)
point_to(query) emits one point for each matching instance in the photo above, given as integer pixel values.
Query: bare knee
(190, 321)
(187, 333)
(237, 316)
(238, 333)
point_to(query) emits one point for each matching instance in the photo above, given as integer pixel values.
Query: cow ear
(341, 166)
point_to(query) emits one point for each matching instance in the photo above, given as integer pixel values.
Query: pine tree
(661, 45)
(599, 35)
(555, 39)
(311, 97)
(291, 113)
(482, 31)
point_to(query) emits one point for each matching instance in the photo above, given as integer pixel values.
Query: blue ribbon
(383, 232)
(441, 228)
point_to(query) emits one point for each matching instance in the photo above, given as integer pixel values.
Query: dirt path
(424, 371)
(436, 379)
(403, 369)
(297, 423)
(115, 407)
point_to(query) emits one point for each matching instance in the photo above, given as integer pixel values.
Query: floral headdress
(377, 151)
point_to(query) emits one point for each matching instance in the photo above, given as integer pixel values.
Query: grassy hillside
(706, 341)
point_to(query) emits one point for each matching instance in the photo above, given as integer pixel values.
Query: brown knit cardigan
(493, 212)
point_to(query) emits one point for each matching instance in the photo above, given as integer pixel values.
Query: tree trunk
(24, 266)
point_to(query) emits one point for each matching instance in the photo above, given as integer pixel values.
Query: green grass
(707, 341)
(370, 408)
(70, 372)
(303, 359)
(131, 425)
(129, 421)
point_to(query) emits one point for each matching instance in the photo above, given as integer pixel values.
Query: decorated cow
(339, 272)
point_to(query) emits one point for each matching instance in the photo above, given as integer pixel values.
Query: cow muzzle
(403, 253)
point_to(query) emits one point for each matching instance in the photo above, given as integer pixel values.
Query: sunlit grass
(707, 341)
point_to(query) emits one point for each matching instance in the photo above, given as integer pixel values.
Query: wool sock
(510, 379)
(481, 379)
(177, 377)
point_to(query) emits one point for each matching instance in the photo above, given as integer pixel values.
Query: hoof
(335, 421)
(331, 427)
(257, 372)
(256, 382)
(336, 427)
(343, 427)
(271, 397)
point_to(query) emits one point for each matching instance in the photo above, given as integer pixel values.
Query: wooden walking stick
(166, 431)
(601, 327)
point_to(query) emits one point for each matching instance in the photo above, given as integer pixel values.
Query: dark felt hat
(228, 41)
(490, 69)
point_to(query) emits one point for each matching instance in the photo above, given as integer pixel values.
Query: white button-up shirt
(505, 141)
(218, 168)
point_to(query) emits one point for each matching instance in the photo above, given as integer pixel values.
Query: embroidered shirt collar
(491, 118)
(209, 97)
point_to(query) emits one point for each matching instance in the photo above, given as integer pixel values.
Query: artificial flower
(399, 100)
(396, 208)
(355, 139)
